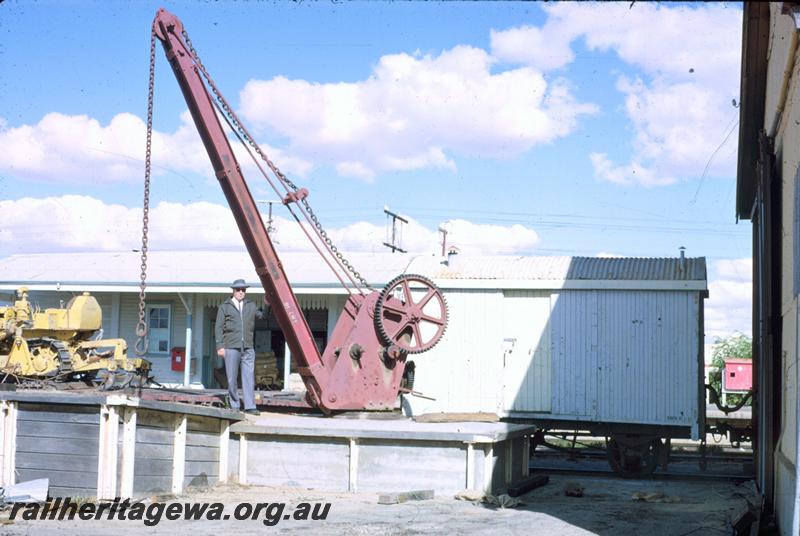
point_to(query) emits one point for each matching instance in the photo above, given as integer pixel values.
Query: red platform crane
(362, 366)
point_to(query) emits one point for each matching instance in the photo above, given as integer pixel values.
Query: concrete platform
(380, 455)
(107, 445)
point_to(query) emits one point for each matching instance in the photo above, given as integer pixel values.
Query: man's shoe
(252, 411)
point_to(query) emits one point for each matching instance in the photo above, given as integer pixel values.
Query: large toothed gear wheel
(411, 313)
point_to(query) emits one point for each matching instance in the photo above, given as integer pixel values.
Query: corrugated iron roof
(575, 268)
(186, 267)
(215, 268)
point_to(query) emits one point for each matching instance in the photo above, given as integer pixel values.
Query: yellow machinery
(63, 344)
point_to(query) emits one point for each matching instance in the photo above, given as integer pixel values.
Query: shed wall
(783, 32)
(626, 357)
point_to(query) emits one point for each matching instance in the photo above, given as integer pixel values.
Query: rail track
(684, 466)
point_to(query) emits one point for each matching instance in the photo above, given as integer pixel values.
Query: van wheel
(632, 456)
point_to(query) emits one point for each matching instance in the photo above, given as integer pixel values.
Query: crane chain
(234, 120)
(141, 327)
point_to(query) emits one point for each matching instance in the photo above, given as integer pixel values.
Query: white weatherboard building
(594, 340)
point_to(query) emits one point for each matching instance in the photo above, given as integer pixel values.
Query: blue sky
(525, 128)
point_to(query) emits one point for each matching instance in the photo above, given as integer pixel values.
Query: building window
(158, 329)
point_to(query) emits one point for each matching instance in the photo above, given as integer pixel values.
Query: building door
(526, 351)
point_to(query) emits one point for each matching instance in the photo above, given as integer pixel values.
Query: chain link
(141, 327)
(234, 120)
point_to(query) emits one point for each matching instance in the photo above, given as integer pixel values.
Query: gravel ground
(606, 507)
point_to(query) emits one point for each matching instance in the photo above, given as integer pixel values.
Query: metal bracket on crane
(295, 197)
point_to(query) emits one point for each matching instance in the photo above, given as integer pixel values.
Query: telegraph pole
(443, 230)
(270, 221)
(395, 217)
(270, 228)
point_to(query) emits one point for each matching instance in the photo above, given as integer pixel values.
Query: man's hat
(239, 283)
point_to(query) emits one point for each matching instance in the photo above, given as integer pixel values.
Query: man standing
(236, 320)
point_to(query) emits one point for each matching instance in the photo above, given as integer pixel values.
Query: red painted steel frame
(354, 372)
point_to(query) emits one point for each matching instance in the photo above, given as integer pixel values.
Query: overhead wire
(710, 159)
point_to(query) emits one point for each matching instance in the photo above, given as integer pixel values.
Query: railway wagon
(612, 346)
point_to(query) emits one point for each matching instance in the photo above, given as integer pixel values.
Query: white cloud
(83, 223)
(545, 48)
(75, 148)
(419, 111)
(740, 270)
(729, 306)
(476, 239)
(415, 111)
(691, 58)
(678, 128)
(660, 39)
(355, 169)
(79, 149)
(471, 238)
(627, 175)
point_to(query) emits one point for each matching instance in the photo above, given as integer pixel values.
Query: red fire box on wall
(738, 375)
(178, 358)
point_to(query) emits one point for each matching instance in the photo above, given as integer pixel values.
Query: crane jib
(362, 366)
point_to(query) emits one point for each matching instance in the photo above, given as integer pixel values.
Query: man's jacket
(234, 329)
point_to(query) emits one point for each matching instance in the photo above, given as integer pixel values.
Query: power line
(447, 213)
(708, 164)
